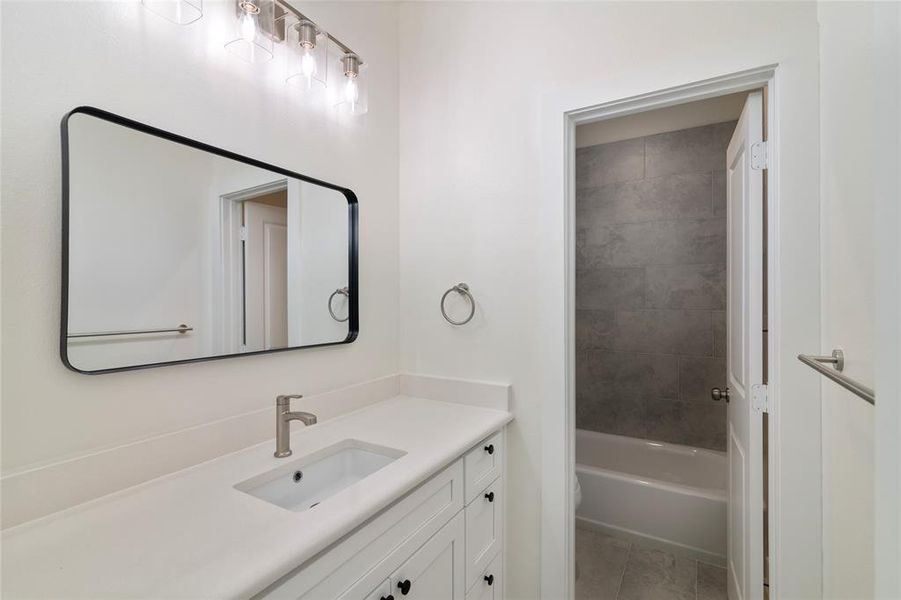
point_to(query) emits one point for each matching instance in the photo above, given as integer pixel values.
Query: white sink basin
(306, 481)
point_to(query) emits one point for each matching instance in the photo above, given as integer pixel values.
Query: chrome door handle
(717, 394)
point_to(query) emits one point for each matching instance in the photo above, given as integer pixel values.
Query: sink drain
(298, 475)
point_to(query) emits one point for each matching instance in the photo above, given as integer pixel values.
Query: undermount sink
(305, 482)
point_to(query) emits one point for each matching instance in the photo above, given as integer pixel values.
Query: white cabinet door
(435, 571)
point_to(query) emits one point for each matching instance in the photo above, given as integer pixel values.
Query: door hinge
(760, 398)
(242, 233)
(759, 156)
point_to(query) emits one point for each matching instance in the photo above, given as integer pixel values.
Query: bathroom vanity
(402, 498)
(444, 537)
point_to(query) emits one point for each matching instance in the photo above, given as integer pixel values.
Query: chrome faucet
(283, 418)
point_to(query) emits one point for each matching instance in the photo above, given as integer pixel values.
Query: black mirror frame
(353, 239)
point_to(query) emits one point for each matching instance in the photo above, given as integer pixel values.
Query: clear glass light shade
(308, 57)
(180, 12)
(349, 90)
(254, 27)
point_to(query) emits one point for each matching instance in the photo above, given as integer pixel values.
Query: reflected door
(265, 276)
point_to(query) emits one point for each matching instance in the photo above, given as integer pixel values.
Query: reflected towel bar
(180, 329)
(837, 360)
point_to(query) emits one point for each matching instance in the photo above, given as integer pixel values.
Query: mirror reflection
(177, 253)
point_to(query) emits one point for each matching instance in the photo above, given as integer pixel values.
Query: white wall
(118, 56)
(847, 183)
(887, 224)
(480, 88)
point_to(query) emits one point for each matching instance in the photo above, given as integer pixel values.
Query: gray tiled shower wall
(651, 286)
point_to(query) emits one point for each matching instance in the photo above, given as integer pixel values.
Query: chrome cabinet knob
(717, 394)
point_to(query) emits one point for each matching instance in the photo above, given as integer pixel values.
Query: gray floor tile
(658, 575)
(711, 582)
(600, 561)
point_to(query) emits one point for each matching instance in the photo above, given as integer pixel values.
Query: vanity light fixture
(255, 28)
(307, 60)
(352, 96)
(261, 24)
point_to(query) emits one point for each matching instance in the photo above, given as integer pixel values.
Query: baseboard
(650, 541)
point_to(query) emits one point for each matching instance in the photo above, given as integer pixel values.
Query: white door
(265, 276)
(435, 571)
(744, 369)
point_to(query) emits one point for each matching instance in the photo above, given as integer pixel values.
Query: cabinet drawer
(484, 530)
(339, 573)
(483, 464)
(490, 583)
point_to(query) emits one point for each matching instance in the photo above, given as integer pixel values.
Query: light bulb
(351, 91)
(248, 27)
(308, 64)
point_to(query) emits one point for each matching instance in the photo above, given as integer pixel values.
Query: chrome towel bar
(180, 329)
(463, 290)
(837, 360)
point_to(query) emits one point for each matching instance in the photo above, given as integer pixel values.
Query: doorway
(254, 236)
(743, 564)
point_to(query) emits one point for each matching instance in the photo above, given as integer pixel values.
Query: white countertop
(191, 534)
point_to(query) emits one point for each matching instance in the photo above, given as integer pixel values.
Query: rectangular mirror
(175, 251)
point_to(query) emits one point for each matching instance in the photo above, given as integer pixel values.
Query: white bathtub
(668, 495)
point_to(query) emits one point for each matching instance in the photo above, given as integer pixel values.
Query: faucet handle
(285, 399)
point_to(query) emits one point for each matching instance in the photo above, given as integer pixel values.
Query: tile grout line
(696, 580)
(622, 575)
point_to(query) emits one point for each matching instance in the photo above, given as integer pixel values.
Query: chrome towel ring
(344, 292)
(463, 290)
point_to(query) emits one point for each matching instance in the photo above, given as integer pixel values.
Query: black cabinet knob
(490, 496)
(404, 586)
(489, 579)
(388, 597)
(489, 448)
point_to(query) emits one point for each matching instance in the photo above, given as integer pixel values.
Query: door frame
(230, 263)
(558, 460)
